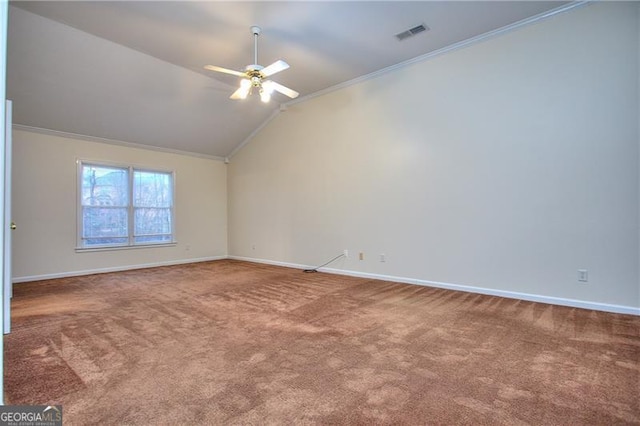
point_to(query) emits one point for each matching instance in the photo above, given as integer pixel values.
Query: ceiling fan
(254, 76)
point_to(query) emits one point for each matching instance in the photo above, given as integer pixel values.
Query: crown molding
(88, 138)
(456, 46)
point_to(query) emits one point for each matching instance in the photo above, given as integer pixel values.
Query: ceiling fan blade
(239, 94)
(284, 90)
(224, 70)
(275, 67)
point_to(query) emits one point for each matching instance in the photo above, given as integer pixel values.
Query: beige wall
(507, 166)
(44, 207)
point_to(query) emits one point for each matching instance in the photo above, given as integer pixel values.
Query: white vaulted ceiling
(133, 71)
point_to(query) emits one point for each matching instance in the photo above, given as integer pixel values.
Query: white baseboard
(596, 306)
(620, 309)
(273, 262)
(113, 269)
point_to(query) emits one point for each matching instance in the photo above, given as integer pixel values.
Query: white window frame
(130, 208)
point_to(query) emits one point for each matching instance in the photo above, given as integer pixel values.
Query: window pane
(90, 242)
(152, 189)
(111, 197)
(150, 221)
(104, 186)
(104, 225)
(153, 239)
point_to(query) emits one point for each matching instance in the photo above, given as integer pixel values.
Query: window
(124, 206)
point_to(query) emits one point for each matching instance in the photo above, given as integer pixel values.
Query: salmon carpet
(230, 342)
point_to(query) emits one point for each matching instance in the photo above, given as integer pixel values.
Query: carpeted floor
(231, 342)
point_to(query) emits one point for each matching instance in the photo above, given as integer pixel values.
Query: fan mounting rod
(255, 30)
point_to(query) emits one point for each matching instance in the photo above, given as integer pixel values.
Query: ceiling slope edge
(456, 46)
(96, 139)
(256, 131)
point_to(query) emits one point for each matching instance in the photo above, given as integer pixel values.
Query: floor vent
(411, 32)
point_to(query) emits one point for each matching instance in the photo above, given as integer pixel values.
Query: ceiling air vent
(411, 32)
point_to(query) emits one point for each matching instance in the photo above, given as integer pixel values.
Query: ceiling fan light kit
(254, 76)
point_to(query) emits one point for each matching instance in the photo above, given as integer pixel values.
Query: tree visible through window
(152, 204)
(123, 206)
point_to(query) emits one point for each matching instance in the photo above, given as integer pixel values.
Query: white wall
(507, 165)
(44, 207)
(638, 118)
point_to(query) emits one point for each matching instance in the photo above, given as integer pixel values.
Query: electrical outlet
(253, 246)
(345, 253)
(361, 256)
(383, 258)
(187, 247)
(583, 275)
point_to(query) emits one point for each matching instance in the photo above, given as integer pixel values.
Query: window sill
(115, 248)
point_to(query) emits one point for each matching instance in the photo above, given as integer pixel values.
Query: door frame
(4, 12)
(8, 224)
